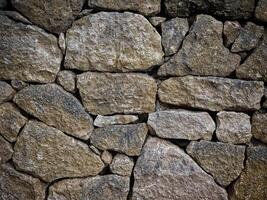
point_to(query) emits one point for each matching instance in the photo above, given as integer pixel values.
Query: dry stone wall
(133, 100)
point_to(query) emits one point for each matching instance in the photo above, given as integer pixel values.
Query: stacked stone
(141, 100)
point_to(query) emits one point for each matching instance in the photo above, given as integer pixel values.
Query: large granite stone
(112, 42)
(7, 92)
(110, 93)
(48, 153)
(259, 126)
(212, 93)
(6, 151)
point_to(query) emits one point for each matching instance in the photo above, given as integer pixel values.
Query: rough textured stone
(233, 127)
(212, 93)
(6, 151)
(67, 79)
(255, 66)
(108, 187)
(126, 139)
(259, 126)
(202, 52)
(14, 15)
(7, 92)
(265, 95)
(11, 121)
(122, 165)
(17, 186)
(54, 106)
(106, 93)
(107, 157)
(114, 42)
(252, 184)
(238, 9)
(62, 43)
(156, 21)
(145, 7)
(54, 16)
(182, 124)
(173, 33)
(164, 171)
(102, 121)
(248, 38)
(49, 154)
(18, 84)
(27, 53)
(223, 161)
(231, 30)
(261, 10)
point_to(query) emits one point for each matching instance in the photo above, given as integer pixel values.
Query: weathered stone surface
(7, 92)
(102, 121)
(182, 124)
(11, 121)
(112, 42)
(144, 7)
(106, 93)
(231, 30)
(18, 84)
(156, 21)
(259, 126)
(6, 151)
(223, 161)
(211, 93)
(62, 42)
(164, 171)
(108, 187)
(56, 107)
(67, 79)
(233, 127)
(17, 186)
(252, 184)
(27, 52)
(54, 16)
(122, 165)
(107, 157)
(202, 52)
(261, 10)
(265, 95)
(255, 66)
(238, 9)
(14, 15)
(248, 38)
(49, 154)
(173, 33)
(126, 139)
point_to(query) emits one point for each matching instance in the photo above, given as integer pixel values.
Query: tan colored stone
(259, 126)
(102, 121)
(231, 30)
(62, 42)
(111, 93)
(156, 21)
(67, 79)
(48, 153)
(212, 93)
(122, 165)
(14, 15)
(6, 151)
(7, 92)
(107, 157)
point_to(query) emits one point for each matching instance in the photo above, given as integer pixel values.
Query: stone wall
(133, 100)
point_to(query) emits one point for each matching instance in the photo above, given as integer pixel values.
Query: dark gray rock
(231, 30)
(6, 151)
(7, 92)
(261, 10)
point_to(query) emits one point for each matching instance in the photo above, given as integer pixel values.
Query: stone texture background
(133, 100)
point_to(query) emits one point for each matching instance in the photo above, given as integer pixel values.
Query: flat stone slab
(101, 121)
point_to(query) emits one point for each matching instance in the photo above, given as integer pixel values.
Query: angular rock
(211, 93)
(6, 151)
(7, 92)
(11, 121)
(67, 79)
(17, 186)
(147, 7)
(255, 66)
(259, 126)
(173, 33)
(48, 153)
(182, 124)
(108, 187)
(62, 42)
(126, 139)
(248, 38)
(164, 171)
(54, 16)
(18, 84)
(202, 52)
(252, 184)
(112, 42)
(106, 93)
(122, 165)
(27, 52)
(231, 30)
(56, 107)
(223, 161)
(102, 121)
(14, 15)
(156, 21)
(233, 127)
(107, 157)
(261, 10)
